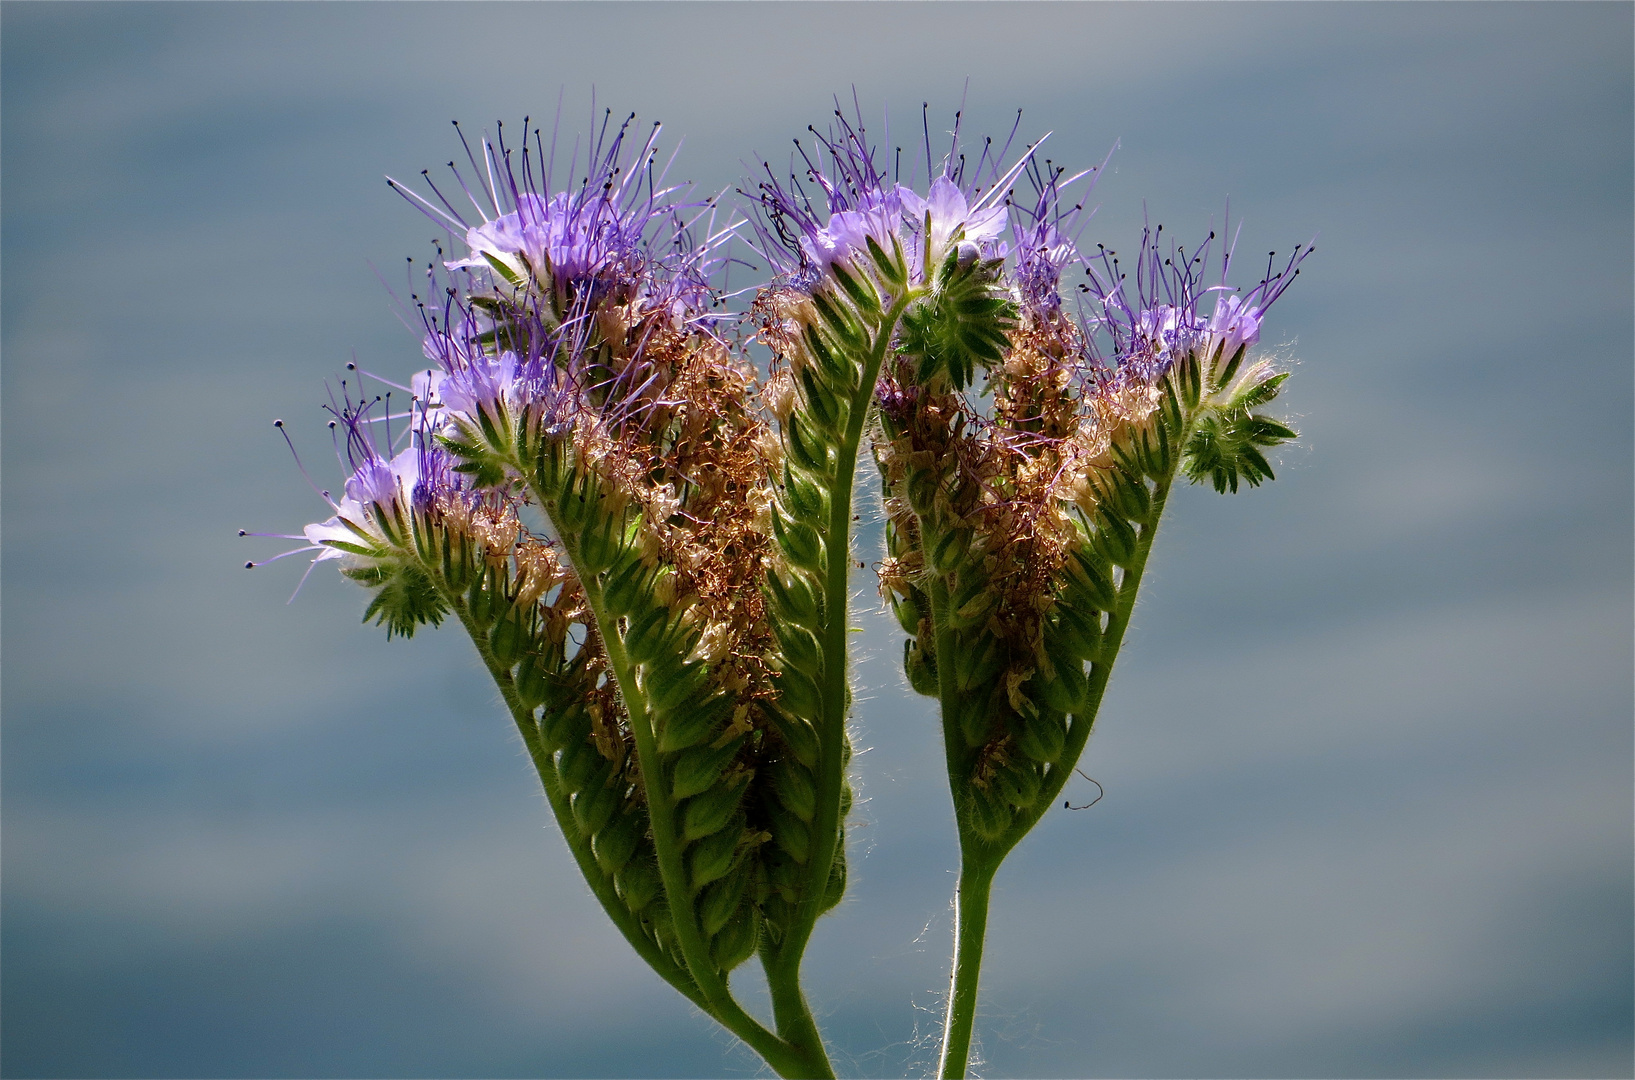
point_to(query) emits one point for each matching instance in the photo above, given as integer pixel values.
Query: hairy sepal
(962, 325)
(405, 599)
(1227, 438)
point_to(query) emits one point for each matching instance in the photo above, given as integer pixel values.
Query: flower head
(372, 520)
(804, 226)
(379, 490)
(1234, 323)
(383, 489)
(840, 199)
(493, 373)
(1157, 321)
(1045, 233)
(618, 235)
(578, 237)
(847, 233)
(945, 217)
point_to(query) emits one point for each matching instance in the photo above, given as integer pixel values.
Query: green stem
(787, 1059)
(957, 757)
(790, 1011)
(712, 985)
(980, 860)
(661, 811)
(970, 930)
(792, 1015)
(660, 807)
(976, 873)
(707, 988)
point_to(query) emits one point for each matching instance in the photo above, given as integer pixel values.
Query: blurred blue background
(1368, 753)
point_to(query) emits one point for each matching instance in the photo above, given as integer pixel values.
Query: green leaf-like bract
(961, 325)
(1225, 444)
(405, 597)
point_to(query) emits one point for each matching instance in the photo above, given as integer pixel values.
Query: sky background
(1367, 756)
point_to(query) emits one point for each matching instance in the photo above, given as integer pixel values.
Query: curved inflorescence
(649, 540)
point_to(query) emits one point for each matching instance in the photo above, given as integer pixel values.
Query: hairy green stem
(976, 873)
(661, 814)
(786, 1059)
(661, 810)
(782, 964)
(792, 1015)
(970, 930)
(955, 754)
(706, 988)
(979, 859)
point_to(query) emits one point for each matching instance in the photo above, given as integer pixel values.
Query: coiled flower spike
(579, 369)
(671, 636)
(1017, 535)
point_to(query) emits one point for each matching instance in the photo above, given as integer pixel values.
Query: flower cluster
(1019, 522)
(860, 217)
(650, 542)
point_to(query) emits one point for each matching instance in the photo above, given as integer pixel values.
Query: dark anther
(241, 532)
(278, 423)
(249, 566)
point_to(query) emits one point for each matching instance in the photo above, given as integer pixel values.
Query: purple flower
(952, 218)
(1042, 252)
(1046, 235)
(1234, 324)
(381, 492)
(846, 235)
(487, 384)
(827, 210)
(1154, 319)
(1165, 331)
(618, 236)
(471, 379)
(378, 487)
(830, 209)
(577, 238)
